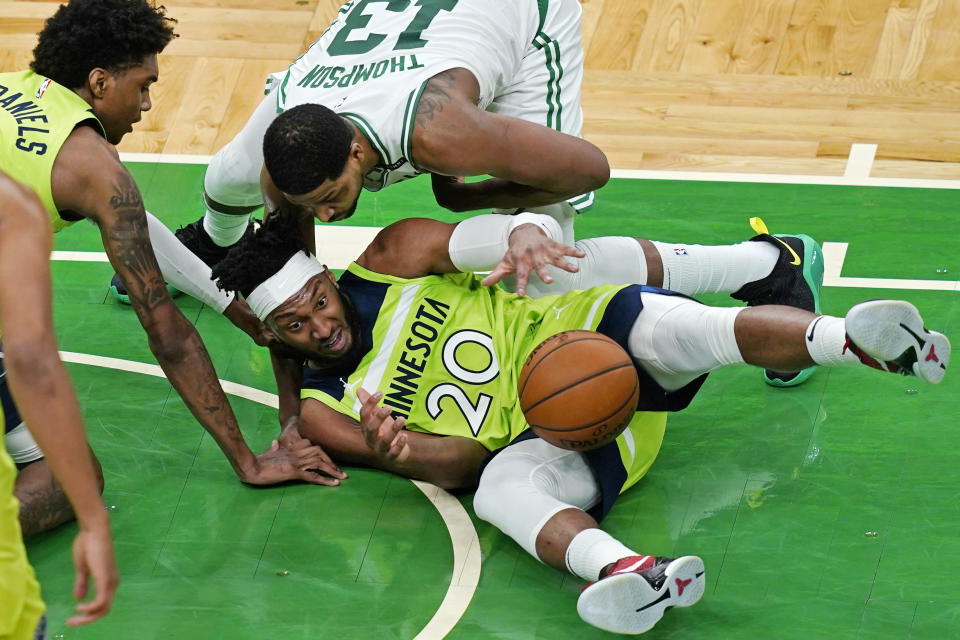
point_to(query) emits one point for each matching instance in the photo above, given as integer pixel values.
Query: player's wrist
(246, 466)
(96, 518)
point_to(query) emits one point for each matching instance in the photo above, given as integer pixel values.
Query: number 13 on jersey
(359, 13)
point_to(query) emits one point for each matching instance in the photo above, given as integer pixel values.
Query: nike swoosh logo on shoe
(796, 258)
(813, 328)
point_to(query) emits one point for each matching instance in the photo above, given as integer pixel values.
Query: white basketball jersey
(372, 63)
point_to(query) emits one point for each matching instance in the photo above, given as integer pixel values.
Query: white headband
(274, 291)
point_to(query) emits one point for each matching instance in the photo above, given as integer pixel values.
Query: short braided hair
(259, 255)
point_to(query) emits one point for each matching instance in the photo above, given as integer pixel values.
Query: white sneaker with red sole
(635, 592)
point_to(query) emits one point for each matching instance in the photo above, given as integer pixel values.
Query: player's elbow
(168, 344)
(451, 202)
(596, 171)
(459, 467)
(34, 359)
(167, 350)
(456, 479)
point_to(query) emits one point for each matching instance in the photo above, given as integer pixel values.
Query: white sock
(225, 228)
(692, 269)
(593, 549)
(826, 337)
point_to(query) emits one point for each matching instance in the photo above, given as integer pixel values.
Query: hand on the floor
(384, 435)
(531, 250)
(309, 463)
(93, 558)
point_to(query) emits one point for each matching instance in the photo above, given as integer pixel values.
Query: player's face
(335, 199)
(316, 321)
(126, 94)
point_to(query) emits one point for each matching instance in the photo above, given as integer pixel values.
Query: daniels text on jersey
(29, 118)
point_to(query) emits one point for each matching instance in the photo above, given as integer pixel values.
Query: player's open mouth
(337, 342)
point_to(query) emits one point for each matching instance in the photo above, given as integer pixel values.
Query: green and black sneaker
(796, 281)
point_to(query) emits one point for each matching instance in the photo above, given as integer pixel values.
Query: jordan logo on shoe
(682, 584)
(796, 258)
(931, 356)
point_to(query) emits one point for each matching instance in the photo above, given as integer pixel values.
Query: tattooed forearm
(128, 242)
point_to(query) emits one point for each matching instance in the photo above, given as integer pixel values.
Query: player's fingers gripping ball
(578, 390)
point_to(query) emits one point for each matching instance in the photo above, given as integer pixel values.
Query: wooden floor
(760, 86)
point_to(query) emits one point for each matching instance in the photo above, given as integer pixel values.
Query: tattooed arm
(88, 178)
(530, 164)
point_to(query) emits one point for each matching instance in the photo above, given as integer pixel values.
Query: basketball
(578, 390)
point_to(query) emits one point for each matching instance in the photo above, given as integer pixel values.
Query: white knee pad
(528, 483)
(676, 339)
(608, 260)
(233, 177)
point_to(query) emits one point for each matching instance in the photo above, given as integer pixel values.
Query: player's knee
(232, 179)
(490, 494)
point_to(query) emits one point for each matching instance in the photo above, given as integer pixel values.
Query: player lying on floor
(442, 353)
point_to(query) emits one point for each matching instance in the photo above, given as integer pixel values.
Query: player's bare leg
(676, 339)
(539, 494)
(43, 503)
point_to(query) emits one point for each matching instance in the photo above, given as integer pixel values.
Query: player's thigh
(546, 87)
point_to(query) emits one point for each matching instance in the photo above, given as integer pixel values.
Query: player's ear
(356, 151)
(97, 82)
(330, 276)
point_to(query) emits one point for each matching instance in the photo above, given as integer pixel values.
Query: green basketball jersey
(36, 116)
(446, 352)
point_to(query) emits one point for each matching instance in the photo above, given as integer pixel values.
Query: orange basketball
(578, 390)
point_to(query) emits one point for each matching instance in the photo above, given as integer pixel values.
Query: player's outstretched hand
(530, 250)
(309, 463)
(384, 435)
(93, 558)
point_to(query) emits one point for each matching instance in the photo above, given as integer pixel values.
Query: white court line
(79, 256)
(785, 178)
(463, 535)
(466, 562)
(833, 257)
(169, 158)
(860, 161)
(650, 174)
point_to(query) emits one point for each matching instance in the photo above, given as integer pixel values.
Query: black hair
(115, 35)
(304, 146)
(260, 255)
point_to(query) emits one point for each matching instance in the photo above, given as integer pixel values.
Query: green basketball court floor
(825, 511)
